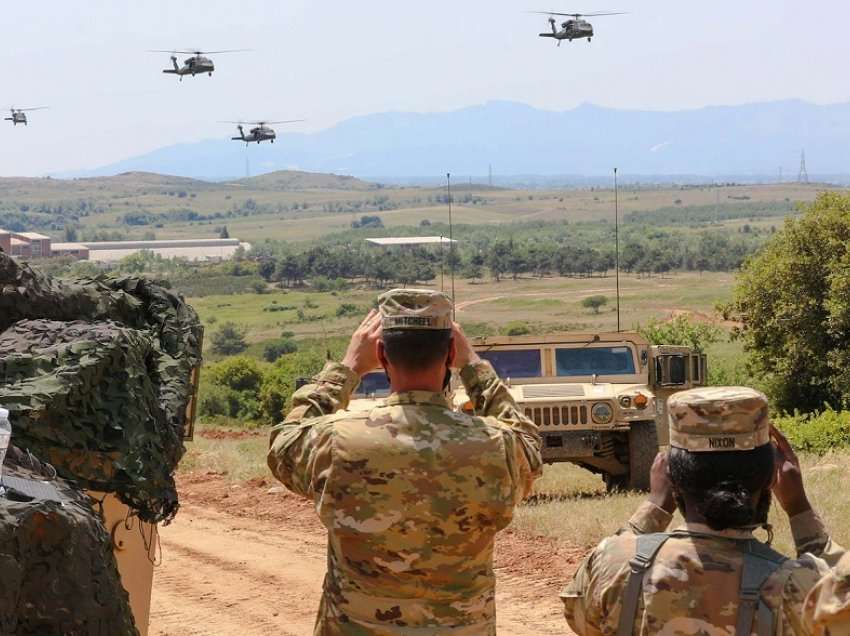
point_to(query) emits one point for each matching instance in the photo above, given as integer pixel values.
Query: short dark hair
(415, 349)
(723, 484)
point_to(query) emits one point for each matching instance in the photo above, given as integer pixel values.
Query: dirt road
(245, 572)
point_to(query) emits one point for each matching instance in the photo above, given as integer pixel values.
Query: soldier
(827, 610)
(412, 493)
(710, 575)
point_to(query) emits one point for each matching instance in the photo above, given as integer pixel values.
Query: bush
(273, 350)
(594, 303)
(259, 287)
(816, 433)
(517, 328)
(231, 388)
(681, 331)
(347, 309)
(229, 339)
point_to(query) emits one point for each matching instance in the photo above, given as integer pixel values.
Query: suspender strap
(648, 546)
(759, 562)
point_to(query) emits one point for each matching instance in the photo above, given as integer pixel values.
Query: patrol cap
(718, 418)
(415, 309)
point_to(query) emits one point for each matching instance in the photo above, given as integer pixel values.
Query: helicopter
(19, 115)
(571, 29)
(195, 65)
(260, 131)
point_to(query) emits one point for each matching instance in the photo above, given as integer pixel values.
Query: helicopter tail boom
(175, 70)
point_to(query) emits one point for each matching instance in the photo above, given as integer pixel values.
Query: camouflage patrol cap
(415, 309)
(718, 418)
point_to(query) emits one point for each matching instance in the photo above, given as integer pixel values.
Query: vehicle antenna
(451, 240)
(617, 245)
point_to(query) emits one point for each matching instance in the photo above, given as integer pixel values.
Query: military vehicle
(19, 115)
(571, 29)
(260, 132)
(197, 64)
(599, 399)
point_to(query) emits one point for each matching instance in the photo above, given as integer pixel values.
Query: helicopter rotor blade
(31, 108)
(197, 52)
(578, 15)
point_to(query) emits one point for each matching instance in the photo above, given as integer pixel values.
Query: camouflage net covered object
(97, 376)
(60, 541)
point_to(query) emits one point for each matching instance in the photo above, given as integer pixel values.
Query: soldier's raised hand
(788, 481)
(660, 485)
(362, 353)
(464, 353)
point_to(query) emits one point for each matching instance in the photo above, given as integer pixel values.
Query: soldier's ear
(450, 360)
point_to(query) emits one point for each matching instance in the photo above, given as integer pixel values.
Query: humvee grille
(553, 391)
(558, 415)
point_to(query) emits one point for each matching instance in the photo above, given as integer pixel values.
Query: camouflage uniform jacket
(412, 494)
(693, 585)
(827, 609)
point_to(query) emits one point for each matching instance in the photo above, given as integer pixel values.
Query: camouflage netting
(96, 374)
(58, 572)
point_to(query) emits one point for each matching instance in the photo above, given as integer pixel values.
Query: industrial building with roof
(34, 245)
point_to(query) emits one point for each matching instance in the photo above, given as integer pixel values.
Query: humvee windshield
(375, 383)
(594, 361)
(519, 363)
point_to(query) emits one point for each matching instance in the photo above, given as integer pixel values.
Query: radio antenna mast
(617, 245)
(451, 240)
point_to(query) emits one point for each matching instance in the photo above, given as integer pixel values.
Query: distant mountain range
(751, 140)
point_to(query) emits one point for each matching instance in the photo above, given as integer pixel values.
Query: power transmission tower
(803, 177)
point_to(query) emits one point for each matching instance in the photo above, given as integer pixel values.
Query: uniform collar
(729, 533)
(418, 397)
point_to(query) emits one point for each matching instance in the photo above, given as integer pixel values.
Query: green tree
(273, 350)
(794, 301)
(681, 331)
(594, 303)
(229, 339)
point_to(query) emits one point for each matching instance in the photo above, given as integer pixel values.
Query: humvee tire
(643, 447)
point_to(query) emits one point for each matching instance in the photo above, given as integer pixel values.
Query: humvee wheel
(643, 447)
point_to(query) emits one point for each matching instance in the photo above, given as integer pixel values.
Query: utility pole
(617, 245)
(451, 239)
(803, 177)
(490, 175)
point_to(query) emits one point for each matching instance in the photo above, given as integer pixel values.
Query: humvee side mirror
(671, 370)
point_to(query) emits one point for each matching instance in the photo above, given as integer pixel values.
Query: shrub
(347, 309)
(594, 303)
(259, 287)
(816, 433)
(681, 331)
(517, 328)
(273, 350)
(229, 339)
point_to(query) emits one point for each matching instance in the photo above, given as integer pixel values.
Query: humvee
(599, 400)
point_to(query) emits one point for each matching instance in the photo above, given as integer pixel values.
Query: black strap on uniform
(759, 562)
(648, 546)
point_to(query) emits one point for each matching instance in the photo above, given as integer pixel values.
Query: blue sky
(328, 60)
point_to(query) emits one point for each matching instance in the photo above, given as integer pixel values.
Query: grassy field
(305, 207)
(547, 304)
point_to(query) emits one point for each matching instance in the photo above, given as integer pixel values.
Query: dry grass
(569, 504)
(572, 504)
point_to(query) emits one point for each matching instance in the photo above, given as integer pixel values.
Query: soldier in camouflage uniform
(827, 609)
(710, 576)
(412, 493)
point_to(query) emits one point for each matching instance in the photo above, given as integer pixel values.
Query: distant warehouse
(189, 249)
